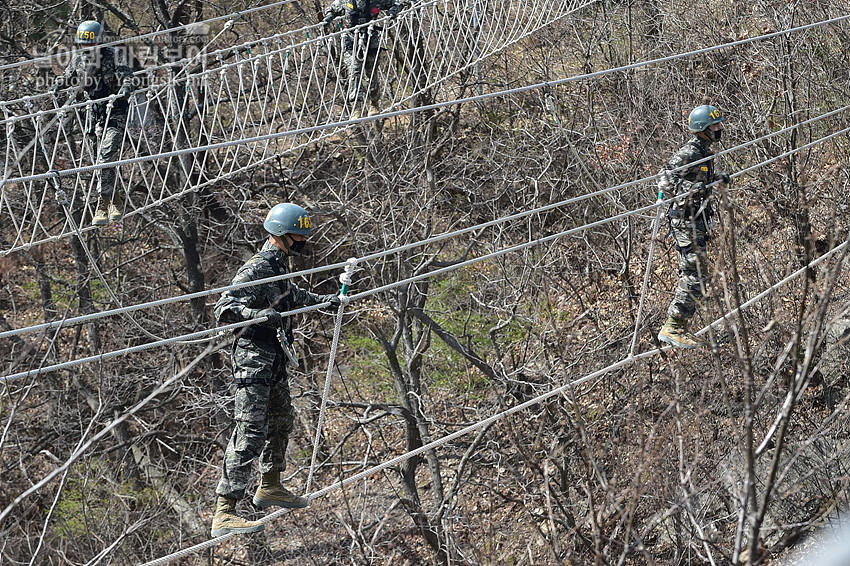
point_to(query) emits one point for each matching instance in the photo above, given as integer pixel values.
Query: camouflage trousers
(110, 134)
(361, 54)
(689, 239)
(263, 419)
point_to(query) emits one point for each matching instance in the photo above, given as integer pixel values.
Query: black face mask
(715, 136)
(297, 247)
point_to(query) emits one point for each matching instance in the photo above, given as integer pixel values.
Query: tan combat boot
(226, 521)
(114, 213)
(101, 214)
(271, 493)
(675, 332)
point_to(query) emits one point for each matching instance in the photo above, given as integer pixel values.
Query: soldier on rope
(263, 414)
(99, 74)
(361, 48)
(690, 217)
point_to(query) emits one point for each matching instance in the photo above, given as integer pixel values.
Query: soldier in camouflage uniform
(361, 49)
(263, 413)
(690, 219)
(98, 74)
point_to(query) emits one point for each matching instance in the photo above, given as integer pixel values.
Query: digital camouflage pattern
(237, 305)
(263, 418)
(98, 74)
(690, 215)
(263, 414)
(689, 239)
(688, 202)
(361, 49)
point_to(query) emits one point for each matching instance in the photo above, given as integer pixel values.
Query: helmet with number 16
(287, 218)
(702, 117)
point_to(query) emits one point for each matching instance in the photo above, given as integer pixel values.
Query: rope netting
(288, 82)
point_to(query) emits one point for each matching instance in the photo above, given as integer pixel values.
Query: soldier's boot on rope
(106, 211)
(101, 213)
(271, 493)
(115, 213)
(226, 521)
(675, 332)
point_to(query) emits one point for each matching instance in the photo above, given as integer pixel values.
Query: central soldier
(263, 415)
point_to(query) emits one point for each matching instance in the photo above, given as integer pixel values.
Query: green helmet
(287, 218)
(702, 117)
(88, 32)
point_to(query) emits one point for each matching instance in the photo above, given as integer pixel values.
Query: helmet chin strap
(712, 135)
(284, 239)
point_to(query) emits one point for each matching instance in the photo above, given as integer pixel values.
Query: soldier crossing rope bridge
(689, 175)
(97, 74)
(263, 413)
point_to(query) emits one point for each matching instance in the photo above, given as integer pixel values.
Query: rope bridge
(288, 82)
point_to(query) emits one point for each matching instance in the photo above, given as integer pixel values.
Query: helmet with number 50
(88, 32)
(287, 218)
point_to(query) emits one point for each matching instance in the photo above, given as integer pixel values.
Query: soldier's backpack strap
(285, 300)
(272, 261)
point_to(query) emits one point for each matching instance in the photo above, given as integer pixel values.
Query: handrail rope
(345, 279)
(383, 288)
(570, 231)
(138, 348)
(610, 189)
(617, 187)
(198, 294)
(136, 38)
(434, 239)
(631, 359)
(434, 106)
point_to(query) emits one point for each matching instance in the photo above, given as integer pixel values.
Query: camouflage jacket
(245, 303)
(358, 12)
(99, 74)
(679, 183)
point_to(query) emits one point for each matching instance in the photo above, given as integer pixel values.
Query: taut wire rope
(150, 345)
(345, 279)
(649, 257)
(422, 276)
(434, 239)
